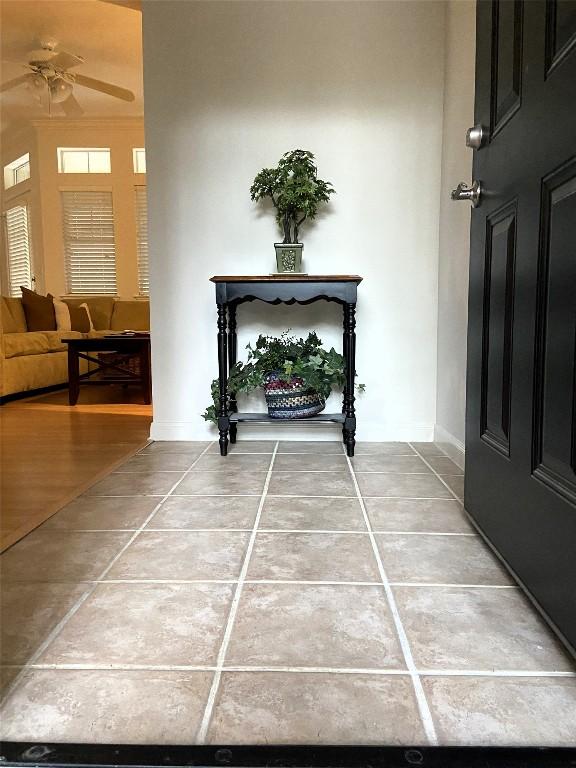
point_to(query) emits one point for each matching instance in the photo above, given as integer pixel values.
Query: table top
(109, 340)
(286, 277)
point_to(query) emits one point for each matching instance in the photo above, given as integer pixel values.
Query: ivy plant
(320, 370)
(295, 190)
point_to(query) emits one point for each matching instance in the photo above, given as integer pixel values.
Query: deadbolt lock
(476, 137)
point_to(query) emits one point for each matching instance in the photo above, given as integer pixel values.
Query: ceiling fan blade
(100, 85)
(13, 83)
(64, 60)
(71, 107)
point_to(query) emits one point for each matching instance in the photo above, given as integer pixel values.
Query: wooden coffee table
(109, 372)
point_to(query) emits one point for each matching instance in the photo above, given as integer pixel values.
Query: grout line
(290, 470)
(271, 496)
(261, 530)
(205, 724)
(431, 672)
(422, 702)
(452, 585)
(85, 595)
(166, 581)
(438, 475)
(215, 495)
(412, 584)
(307, 453)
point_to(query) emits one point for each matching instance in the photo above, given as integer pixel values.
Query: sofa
(38, 359)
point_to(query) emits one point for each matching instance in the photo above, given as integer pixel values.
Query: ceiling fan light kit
(49, 75)
(60, 90)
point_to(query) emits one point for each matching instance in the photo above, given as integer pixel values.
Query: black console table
(232, 290)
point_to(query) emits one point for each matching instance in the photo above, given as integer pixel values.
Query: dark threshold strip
(29, 754)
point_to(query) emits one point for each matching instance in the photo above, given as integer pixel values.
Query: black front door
(521, 412)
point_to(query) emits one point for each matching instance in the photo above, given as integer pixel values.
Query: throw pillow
(39, 311)
(62, 312)
(80, 319)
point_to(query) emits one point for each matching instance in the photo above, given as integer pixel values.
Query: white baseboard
(451, 446)
(371, 431)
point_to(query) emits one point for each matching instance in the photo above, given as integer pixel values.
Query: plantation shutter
(142, 240)
(17, 231)
(90, 253)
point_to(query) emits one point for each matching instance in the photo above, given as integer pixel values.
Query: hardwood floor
(50, 452)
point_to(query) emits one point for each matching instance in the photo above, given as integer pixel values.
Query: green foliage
(320, 370)
(295, 190)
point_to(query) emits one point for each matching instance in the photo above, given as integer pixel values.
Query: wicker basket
(290, 398)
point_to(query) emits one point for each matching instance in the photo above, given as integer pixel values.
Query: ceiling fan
(49, 75)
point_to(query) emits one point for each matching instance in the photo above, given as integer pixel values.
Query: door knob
(476, 137)
(473, 193)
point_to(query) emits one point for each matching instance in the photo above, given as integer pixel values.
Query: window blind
(17, 231)
(90, 253)
(142, 240)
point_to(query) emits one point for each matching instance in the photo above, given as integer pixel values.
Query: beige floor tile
(206, 512)
(456, 483)
(440, 559)
(380, 462)
(477, 629)
(309, 708)
(497, 712)
(443, 465)
(428, 449)
(29, 612)
(409, 486)
(7, 676)
(135, 484)
(314, 626)
(145, 624)
(227, 481)
(182, 555)
(313, 556)
(106, 707)
(234, 462)
(61, 555)
(311, 461)
(101, 513)
(175, 446)
(311, 484)
(433, 515)
(159, 461)
(308, 512)
(388, 449)
(310, 446)
(246, 446)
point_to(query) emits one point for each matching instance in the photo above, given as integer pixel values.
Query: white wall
(455, 226)
(230, 86)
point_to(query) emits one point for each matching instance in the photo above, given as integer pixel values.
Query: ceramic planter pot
(289, 257)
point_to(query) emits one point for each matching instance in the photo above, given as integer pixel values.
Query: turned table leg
(232, 353)
(349, 429)
(223, 419)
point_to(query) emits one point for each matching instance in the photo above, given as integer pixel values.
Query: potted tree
(296, 192)
(297, 376)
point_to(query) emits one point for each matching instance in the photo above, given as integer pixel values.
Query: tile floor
(281, 595)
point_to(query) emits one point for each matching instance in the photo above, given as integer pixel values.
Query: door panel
(506, 60)
(555, 396)
(521, 388)
(560, 31)
(498, 312)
